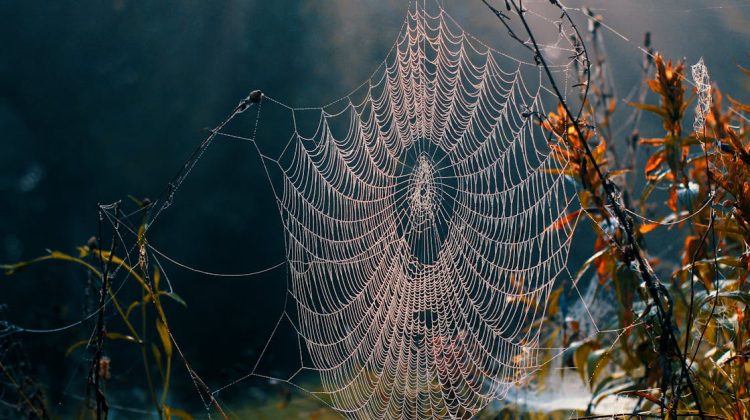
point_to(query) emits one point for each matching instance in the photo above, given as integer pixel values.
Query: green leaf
(119, 336)
(174, 296)
(109, 335)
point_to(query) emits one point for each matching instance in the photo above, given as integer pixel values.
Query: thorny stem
(665, 316)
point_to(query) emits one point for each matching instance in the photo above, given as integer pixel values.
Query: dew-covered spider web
(425, 220)
(425, 225)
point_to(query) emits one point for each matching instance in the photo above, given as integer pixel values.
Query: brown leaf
(692, 242)
(650, 108)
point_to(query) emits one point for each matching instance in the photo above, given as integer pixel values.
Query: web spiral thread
(425, 226)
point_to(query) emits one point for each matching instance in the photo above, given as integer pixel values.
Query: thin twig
(94, 376)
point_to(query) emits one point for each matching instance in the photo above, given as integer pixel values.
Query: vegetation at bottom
(685, 353)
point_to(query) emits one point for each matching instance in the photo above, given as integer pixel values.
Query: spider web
(425, 223)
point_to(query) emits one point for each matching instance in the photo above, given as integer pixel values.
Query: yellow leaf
(157, 278)
(597, 361)
(119, 336)
(157, 355)
(131, 308)
(166, 341)
(109, 335)
(619, 172)
(170, 412)
(580, 357)
(554, 305)
(75, 345)
(83, 251)
(600, 149)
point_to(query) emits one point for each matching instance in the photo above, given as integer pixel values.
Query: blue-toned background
(103, 99)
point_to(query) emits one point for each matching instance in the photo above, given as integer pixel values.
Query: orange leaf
(565, 221)
(655, 86)
(612, 106)
(653, 142)
(738, 105)
(603, 267)
(600, 149)
(648, 227)
(603, 264)
(672, 203)
(654, 162)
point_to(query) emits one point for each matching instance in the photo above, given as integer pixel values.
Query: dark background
(103, 99)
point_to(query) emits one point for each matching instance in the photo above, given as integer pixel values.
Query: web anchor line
(166, 197)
